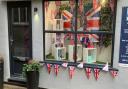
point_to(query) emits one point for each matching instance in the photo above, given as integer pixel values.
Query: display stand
(89, 55)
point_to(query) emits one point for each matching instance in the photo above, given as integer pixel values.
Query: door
(20, 35)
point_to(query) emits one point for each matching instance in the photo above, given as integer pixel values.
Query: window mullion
(76, 9)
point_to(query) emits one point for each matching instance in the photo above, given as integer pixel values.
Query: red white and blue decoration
(114, 73)
(71, 71)
(56, 69)
(49, 67)
(88, 70)
(96, 73)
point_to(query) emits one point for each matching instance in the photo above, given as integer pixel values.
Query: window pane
(95, 15)
(23, 14)
(93, 48)
(15, 14)
(60, 15)
(59, 46)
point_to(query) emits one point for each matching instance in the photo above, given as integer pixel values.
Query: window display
(79, 30)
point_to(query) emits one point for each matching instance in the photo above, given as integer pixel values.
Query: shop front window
(79, 30)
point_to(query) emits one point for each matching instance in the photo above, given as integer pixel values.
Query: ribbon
(49, 68)
(56, 69)
(88, 72)
(114, 73)
(96, 73)
(71, 71)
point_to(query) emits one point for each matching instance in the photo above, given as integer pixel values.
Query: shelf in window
(50, 31)
(99, 66)
(81, 32)
(95, 32)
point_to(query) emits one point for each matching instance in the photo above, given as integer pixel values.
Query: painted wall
(4, 47)
(79, 80)
(37, 30)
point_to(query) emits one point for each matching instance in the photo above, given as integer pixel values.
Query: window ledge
(98, 66)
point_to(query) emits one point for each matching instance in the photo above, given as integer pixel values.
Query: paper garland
(88, 70)
(71, 71)
(114, 73)
(56, 69)
(49, 68)
(96, 73)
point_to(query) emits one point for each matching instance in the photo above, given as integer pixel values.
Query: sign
(123, 56)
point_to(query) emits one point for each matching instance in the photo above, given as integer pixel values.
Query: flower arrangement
(32, 65)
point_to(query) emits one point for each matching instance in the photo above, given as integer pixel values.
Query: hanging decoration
(80, 65)
(71, 71)
(88, 72)
(114, 73)
(105, 68)
(49, 68)
(96, 73)
(56, 69)
(65, 65)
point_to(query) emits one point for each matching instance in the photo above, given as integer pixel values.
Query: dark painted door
(20, 34)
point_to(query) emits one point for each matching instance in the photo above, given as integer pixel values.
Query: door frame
(16, 4)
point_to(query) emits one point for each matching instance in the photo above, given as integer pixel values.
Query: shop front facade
(35, 28)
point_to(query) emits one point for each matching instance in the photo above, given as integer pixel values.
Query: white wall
(79, 80)
(37, 30)
(4, 46)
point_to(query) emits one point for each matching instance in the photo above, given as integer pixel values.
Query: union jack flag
(49, 68)
(56, 69)
(114, 73)
(93, 17)
(88, 72)
(96, 73)
(71, 71)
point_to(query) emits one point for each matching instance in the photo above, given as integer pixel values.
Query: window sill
(98, 66)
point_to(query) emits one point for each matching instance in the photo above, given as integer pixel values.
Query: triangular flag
(88, 72)
(114, 73)
(65, 65)
(80, 65)
(96, 73)
(56, 69)
(71, 71)
(105, 68)
(49, 68)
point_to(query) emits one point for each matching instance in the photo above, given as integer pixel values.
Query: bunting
(49, 68)
(71, 71)
(56, 69)
(96, 73)
(88, 72)
(114, 73)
